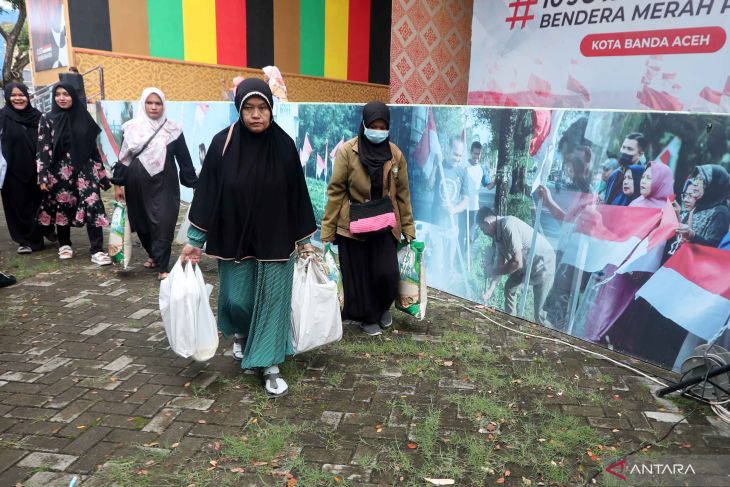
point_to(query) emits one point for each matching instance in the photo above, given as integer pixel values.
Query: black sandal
(271, 379)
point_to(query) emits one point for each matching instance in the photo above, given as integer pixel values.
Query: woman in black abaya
(20, 193)
(152, 144)
(369, 167)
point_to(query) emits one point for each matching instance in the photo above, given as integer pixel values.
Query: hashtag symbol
(520, 12)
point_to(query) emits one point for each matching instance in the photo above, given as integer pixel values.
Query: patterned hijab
(139, 130)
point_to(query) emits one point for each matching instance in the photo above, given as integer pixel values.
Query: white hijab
(138, 131)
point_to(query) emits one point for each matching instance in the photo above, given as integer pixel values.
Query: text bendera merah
(647, 11)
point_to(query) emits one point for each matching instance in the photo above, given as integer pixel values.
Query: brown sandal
(149, 264)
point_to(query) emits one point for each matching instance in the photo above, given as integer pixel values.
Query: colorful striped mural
(340, 39)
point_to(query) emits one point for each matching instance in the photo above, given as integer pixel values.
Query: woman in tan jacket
(369, 167)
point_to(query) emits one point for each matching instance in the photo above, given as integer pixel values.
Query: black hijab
(373, 156)
(252, 199)
(19, 135)
(75, 130)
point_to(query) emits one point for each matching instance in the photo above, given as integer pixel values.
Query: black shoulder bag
(119, 171)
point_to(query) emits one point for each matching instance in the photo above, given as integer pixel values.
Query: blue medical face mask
(375, 136)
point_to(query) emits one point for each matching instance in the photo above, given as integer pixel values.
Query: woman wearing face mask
(614, 297)
(151, 145)
(251, 210)
(369, 167)
(20, 194)
(71, 173)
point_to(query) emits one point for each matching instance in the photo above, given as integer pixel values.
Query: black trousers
(96, 237)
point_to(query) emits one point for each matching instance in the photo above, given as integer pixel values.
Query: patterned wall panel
(430, 51)
(126, 76)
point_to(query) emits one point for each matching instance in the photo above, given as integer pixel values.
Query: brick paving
(86, 377)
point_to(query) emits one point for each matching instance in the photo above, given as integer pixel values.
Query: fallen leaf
(291, 482)
(80, 427)
(526, 481)
(448, 363)
(615, 430)
(338, 479)
(149, 463)
(213, 463)
(259, 464)
(187, 384)
(217, 446)
(616, 397)
(507, 473)
(154, 443)
(174, 445)
(541, 440)
(412, 445)
(238, 470)
(491, 427)
(142, 472)
(202, 421)
(439, 481)
(378, 428)
(500, 480)
(686, 445)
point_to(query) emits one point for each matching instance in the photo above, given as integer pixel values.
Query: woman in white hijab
(150, 147)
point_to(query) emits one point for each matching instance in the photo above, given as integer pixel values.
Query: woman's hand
(686, 232)
(118, 193)
(44, 187)
(544, 192)
(190, 254)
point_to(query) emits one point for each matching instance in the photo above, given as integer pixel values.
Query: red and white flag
(544, 143)
(428, 147)
(647, 256)
(321, 165)
(692, 289)
(608, 234)
(305, 151)
(670, 154)
(336, 148)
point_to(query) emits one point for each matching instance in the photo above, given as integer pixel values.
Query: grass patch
(26, 268)
(310, 475)
(259, 442)
(335, 378)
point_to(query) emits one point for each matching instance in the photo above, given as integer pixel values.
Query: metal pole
(530, 260)
(575, 288)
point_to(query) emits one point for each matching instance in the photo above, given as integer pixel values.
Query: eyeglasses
(251, 109)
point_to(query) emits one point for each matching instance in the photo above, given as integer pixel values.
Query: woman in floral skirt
(71, 174)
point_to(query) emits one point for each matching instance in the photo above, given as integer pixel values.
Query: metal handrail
(41, 98)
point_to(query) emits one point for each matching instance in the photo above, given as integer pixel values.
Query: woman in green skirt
(252, 212)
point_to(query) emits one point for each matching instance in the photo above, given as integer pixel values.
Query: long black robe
(153, 202)
(20, 193)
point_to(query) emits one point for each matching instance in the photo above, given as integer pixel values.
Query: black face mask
(625, 159)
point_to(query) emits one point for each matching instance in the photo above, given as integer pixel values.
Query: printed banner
(625, 54)
(47, 34)
(585, 202)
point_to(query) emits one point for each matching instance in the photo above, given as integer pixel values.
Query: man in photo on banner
(478, 178)
(513, 239)
(451, 191)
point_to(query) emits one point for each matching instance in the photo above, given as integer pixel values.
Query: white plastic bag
(185, 310)
(315, 307)
(120, 236)
(3, 167)
(182, 234)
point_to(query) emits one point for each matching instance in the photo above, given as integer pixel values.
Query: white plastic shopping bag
(207, 331)
(185, 310)
(120, 236)
(182, 234)
(315, 317)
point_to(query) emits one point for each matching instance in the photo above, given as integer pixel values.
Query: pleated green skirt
(254, 300)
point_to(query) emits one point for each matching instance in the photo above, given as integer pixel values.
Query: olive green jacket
(350, 181)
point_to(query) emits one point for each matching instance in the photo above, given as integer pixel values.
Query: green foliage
(520, 206)
(325, 125)
(318, 195)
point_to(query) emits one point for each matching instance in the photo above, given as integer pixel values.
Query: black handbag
(119, 171)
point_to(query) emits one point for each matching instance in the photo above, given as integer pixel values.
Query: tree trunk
(13, 65)
(508, 121)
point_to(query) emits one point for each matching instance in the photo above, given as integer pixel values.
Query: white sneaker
(274, 384)
(238, 348)
(65, 252)
(101, 258)
(24, 249)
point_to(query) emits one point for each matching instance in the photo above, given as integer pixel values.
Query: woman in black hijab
(367, 168)
(20, 194)
(71, 173)
(251, 209)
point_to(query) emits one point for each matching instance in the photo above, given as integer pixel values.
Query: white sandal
(65, 252)
(274, 383)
